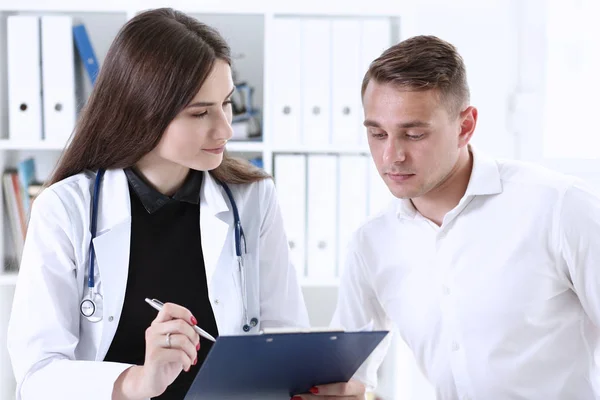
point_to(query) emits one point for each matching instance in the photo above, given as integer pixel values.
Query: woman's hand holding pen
(171, 346)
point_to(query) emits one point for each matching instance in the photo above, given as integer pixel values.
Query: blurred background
(532, 69)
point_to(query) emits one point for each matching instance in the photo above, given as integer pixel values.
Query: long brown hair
(153, 69)
(422, 63)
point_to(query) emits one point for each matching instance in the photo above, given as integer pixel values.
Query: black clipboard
(279, 366)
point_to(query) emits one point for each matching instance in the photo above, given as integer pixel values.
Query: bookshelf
(249, 31)
(258, 7)
(248, 28)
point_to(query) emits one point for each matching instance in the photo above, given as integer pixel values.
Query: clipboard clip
(275, 331)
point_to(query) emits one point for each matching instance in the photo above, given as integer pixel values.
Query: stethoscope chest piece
(91, 307)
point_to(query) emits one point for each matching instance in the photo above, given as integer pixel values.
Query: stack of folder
(41, 76)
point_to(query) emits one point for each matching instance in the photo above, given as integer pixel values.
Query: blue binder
(279, 366)
(86, 52)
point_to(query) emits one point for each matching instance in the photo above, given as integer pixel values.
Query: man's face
(414, 140)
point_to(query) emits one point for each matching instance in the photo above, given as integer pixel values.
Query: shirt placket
(450, 320)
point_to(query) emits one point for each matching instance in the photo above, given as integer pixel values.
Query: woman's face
(196, 137)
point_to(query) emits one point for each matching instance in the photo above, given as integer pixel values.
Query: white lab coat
(56, 353)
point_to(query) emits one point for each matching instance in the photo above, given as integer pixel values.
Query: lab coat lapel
(112, 250)
(214, 224)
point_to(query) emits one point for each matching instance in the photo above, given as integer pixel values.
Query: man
(489, 270)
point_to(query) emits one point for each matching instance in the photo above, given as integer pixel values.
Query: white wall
(485, 34)
(531, 116)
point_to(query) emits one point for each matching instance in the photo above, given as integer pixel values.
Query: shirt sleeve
(579, 245)
(359, 309)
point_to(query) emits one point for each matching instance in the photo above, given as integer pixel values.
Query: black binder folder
(279, 366)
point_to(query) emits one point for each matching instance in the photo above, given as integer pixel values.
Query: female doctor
(161, 221)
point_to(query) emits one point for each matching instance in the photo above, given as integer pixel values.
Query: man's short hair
(422, 63)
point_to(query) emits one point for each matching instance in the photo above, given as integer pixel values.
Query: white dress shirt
(500, 302)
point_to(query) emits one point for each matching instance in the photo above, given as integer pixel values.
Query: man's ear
(468, 121)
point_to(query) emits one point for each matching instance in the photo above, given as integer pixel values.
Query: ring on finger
(168, 340)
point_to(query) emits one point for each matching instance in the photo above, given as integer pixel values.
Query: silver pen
(158, 305)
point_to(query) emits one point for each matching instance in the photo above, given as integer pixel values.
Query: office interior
(531, 68)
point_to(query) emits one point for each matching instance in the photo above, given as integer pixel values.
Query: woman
(157, 122)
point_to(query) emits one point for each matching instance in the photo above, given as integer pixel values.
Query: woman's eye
(200, 115)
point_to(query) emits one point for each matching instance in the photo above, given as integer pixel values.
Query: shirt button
(455, 346)
(217, 301)
(110, 319)
(446, 291)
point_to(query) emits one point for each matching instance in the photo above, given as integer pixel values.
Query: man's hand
(352, 390)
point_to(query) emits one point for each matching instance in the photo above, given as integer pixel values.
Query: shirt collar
(484, 180)
(153, 200)
(485, 176)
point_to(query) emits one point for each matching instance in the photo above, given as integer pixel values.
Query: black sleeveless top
(165, 263)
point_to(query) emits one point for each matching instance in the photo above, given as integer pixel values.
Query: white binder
(346, 79)
(290, 181)
(286, 75)
(352, 204)
(376, 37)
(24, 79)
(322, 216)
(316, 81)
(58, 78)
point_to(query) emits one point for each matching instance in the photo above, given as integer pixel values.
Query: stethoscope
(91, 304)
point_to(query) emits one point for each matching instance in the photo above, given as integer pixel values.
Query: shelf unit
(247, 26)
(6, 145)
(258, 7)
